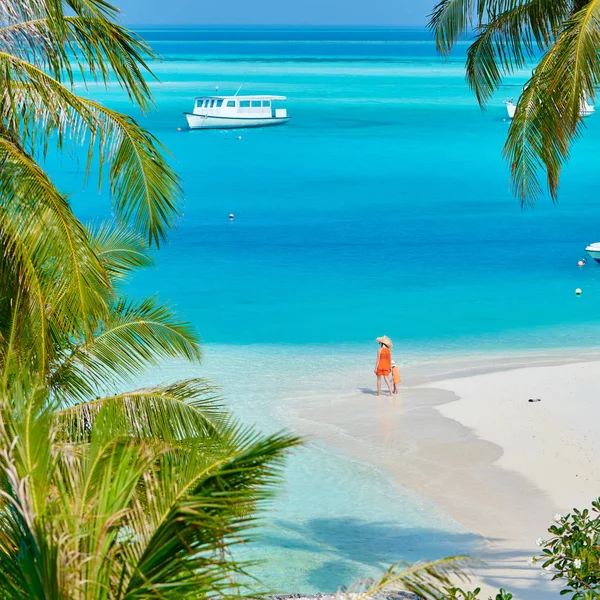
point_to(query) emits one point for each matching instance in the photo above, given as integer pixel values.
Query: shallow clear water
(335, 519)
(383, 207)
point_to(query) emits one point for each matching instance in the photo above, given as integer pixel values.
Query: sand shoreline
(463, 434)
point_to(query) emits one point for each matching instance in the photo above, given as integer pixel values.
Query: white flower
(577, 563)
(539, 542)
(558, 518)
(548, 568)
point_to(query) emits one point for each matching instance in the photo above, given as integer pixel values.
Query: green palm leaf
(509, 39)
(41, 234)
(547, 118)
(508, 35)
(428, 580)
(176, 412)
(144, 187)
(104, 50)
(451, 19)
(134, 336)
(206, 506)
(121, 251)
(106, 514)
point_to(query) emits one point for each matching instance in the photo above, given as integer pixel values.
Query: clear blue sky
(275, 12)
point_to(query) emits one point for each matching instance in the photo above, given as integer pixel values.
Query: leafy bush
(572, 553)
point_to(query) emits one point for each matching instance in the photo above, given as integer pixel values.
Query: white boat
(233, 112)
(585, 110)
(594, 251)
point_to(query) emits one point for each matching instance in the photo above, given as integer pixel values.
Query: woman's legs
(379, 385)
(387, 380)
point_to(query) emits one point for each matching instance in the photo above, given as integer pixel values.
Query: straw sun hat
(384, 339)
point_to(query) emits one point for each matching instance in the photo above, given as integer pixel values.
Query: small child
(395, 377)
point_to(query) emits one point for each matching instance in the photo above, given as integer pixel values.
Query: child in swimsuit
(396, 379)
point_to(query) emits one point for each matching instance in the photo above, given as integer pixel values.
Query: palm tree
(92, 366)
(61, 313)
(563, 37)
(101, 515)
(50, 270)
(124, 495)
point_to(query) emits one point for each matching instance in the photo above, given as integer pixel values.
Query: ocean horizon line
(422, 27)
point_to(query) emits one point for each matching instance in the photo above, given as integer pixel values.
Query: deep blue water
(383, 207)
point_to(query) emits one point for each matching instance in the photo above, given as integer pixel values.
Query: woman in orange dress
(384, 362)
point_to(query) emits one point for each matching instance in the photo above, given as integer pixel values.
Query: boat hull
(594, 252)
(212, 122)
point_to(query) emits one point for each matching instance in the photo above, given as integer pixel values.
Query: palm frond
(15, 11)
(24, 308)
(134, 336)
(40, 233)
(428, 580)
(28, 565)
(547, 118)
(144, 187)
(509, 39)
(107, 481)
(204, 508)
(122, 251)
(29, 557)
(451, 19)
(96, 46)
(94, 8)
(176, 412)
(26, 423)
(109, 512)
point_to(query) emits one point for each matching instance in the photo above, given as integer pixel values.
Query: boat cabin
(241, 106)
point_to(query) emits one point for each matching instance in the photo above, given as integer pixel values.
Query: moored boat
(594, 251)
(585, 109)
(233, 112)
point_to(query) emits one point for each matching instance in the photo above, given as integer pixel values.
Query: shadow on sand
(352, 548)
(371, 392)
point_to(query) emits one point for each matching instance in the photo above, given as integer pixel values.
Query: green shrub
(572, 553)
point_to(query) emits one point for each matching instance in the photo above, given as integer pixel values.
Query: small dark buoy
(231, 216)
(578, 291)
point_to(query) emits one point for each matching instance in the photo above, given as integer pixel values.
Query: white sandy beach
(464, 435)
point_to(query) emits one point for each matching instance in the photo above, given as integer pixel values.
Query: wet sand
(463, 434)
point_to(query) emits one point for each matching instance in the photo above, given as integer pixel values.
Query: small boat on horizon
(594, 251)
(585, 110)
(236, 112)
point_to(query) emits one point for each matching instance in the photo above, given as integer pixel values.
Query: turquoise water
(384, 206)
